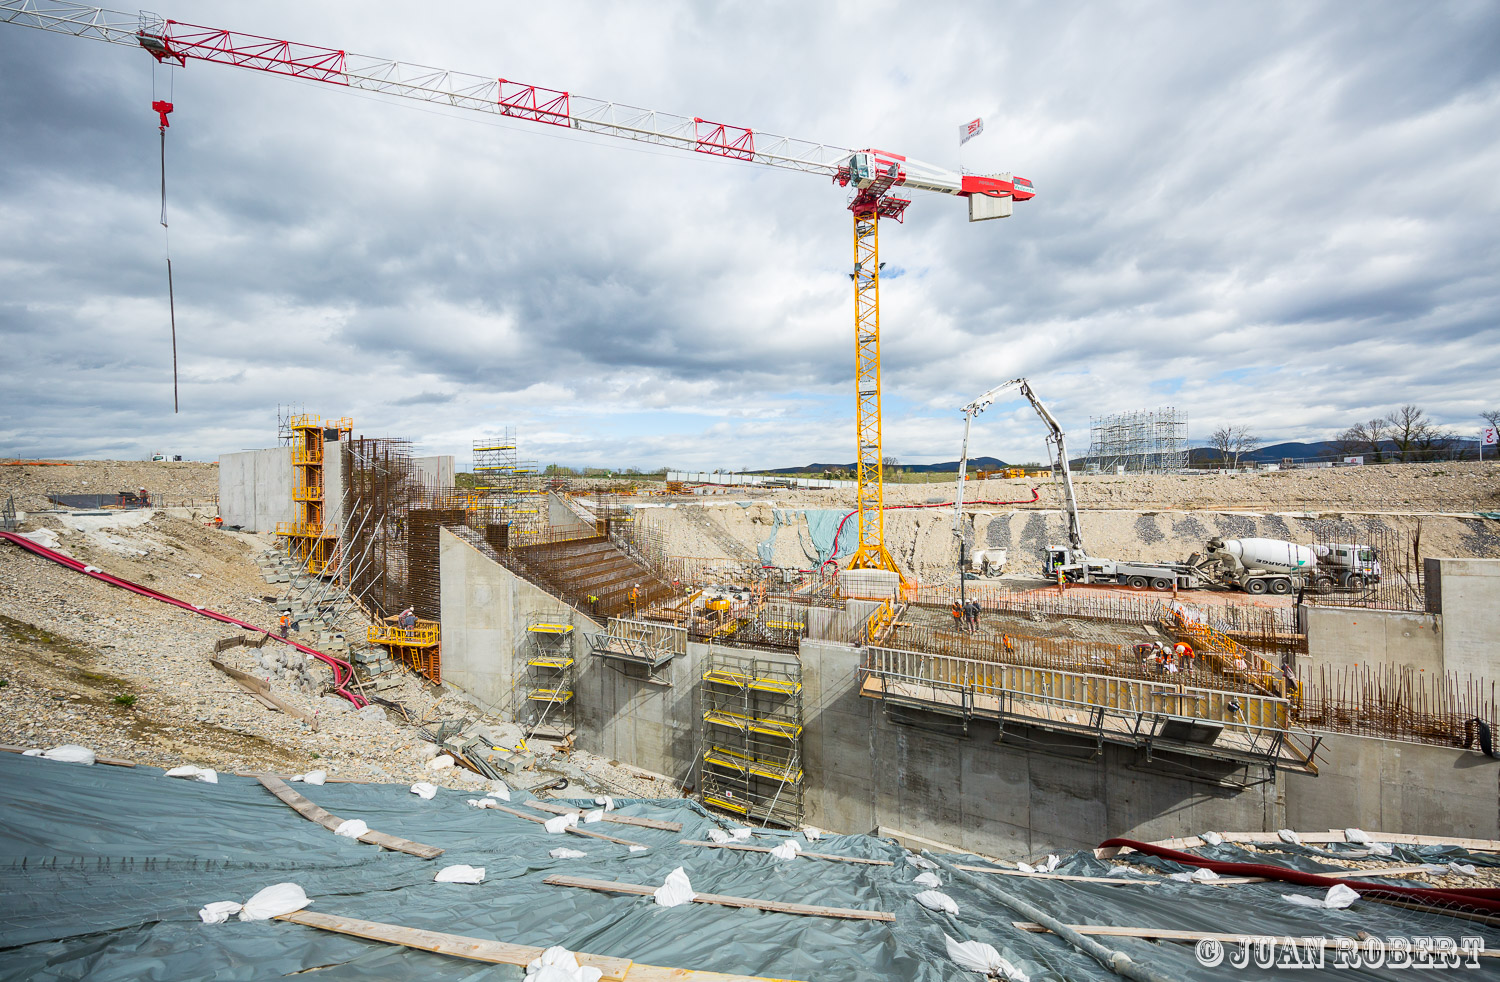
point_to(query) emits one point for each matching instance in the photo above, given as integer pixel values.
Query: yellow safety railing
(307, 421)
(746, 763)
(424, 635)
(307, 453)
(880, 620)
(308, 492)
(1224, 653)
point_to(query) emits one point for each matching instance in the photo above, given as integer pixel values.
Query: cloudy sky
(1279, 215)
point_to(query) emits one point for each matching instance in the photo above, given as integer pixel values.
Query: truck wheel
(1355, 582)
(1161, 583)
(1255, 586)
(1324, 584)
(1136, 583)
(1281, 586)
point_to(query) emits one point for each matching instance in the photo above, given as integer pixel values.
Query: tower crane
(876, 178)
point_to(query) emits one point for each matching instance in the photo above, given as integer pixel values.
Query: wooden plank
(111, 761)
(261, 691)
(810, 855)
(808, 910)
(314, 813)
(645, 823)
(573, 829)
(502, 952)
(1169, 934)
(1115, 880)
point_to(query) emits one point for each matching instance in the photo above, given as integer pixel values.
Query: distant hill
(975, 463)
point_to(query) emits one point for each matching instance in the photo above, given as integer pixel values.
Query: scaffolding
(495, 464)
(751, 754)
(548, 681)
(1146, 441)
(311, 541)
(418, 647)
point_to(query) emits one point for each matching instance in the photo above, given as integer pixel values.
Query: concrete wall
(1469, 599)
(559, 515)
(1026, 795)
(434, 472)
(1339, 636)
(1388, 786)
(255, 488)
(333, 485)
(485, 612)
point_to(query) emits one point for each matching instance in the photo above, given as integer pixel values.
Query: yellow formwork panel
(724, 757)
(743, 680)
(551, 628)
(768, 727)
(550, 695)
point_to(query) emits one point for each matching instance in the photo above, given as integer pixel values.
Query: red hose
(342, 670)
(1486, 900)
(833, 557)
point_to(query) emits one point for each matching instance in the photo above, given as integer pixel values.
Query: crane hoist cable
(162, 107)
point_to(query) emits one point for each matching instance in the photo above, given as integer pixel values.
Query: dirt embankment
(176, 481)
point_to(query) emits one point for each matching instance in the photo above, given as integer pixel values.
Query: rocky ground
(1140, 517)
(86, 663)
(179, 482)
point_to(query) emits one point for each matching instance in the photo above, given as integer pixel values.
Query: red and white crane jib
(872, 172)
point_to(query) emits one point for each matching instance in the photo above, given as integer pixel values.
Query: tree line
(1405, 434)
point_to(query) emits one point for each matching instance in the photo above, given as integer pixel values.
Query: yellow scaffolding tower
(309, 540)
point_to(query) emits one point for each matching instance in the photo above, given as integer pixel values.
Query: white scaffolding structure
(1145, 441)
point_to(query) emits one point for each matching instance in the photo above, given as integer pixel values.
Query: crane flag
(970, 130)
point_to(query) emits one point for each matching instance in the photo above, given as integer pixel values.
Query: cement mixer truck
(1277, 566)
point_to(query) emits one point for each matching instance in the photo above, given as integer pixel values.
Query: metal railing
(424, 635)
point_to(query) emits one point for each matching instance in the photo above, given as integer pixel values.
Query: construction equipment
(1277, 566)
(874, 175)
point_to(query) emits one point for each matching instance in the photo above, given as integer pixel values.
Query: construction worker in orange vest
(1185, 655)
(635, 598)
(284, 624)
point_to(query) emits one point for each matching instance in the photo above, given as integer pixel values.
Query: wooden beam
(262, 692)
(1115, 880)
(573, 829)
(502, 952)
(112, 762)
(809, 910)
(314, 813)
(645, 823)
(810, 855)
(1168, 934)
(1313, 838)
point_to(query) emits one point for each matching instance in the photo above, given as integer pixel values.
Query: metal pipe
(1116, 961)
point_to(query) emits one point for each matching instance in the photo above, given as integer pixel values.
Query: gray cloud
(1282, 214)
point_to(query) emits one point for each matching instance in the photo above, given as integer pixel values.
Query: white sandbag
(787, 850)
(273, 901)
(219, 911)
(1287, 835)
(1337, 898)
(440, 763)
(315, 777)
(557, 964)
(812, 834)
(1025, 867)
(590, 817)
(46, 538)
(639, 848)
(928, 879)
(499, 790)
(675, 890)
(740, 834)
(1049, 864)
(204, 774)
(460, 874)
(1196, 876)
(1380, 849)
(1463, 869)
(424, 790)
(351, 828)
(558, 825)
(938, 901)
(718, 835)
(979, 957)
(1212, 838)
(920, 862)
(1357, 836)
(70, 753)
(562, 852)
(606, 801)
(483, 803)
(32, 753)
